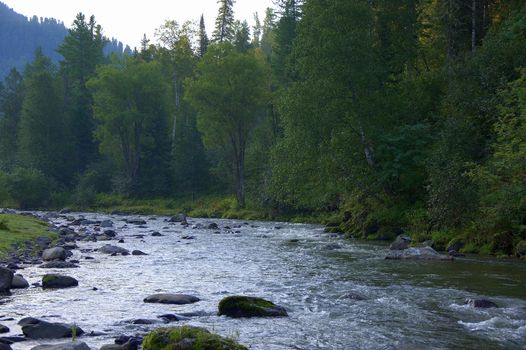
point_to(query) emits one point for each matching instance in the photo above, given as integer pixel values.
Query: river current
(340, 294)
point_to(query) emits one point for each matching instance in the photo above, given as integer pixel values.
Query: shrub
(29, 188)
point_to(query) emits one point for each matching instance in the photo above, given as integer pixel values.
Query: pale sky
(127, 21)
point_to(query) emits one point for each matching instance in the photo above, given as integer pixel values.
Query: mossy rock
(58, 281)
(242, 306)
(188, 338)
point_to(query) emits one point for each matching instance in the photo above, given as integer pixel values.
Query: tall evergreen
(224, 28)
(11, 97)
(203, 37)
(82, 50)
(41, 142)
(242, 36)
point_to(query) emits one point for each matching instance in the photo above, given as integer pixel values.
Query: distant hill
(20, 36)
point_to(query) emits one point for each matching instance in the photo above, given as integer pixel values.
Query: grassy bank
(15, 230)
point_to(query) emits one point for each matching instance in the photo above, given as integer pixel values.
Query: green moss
(188, 338)
(17, 229)
(242, 306)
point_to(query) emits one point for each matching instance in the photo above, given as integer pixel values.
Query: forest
(376, 117)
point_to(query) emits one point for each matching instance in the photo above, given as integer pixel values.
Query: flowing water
(406, 305)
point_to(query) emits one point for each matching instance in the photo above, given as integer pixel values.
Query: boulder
(111, 249)
(6, 279)
(156, 234)
(65, 211)
(54, 254)
(417, 253)
(43, 241)
(125, 346)
(58, 265)
(179, 218)
(75, 345)
(4, 346)
(58, 281)
(482, 303)
(173, 318)
(4, 329)
(19, 282)
(400, 243)
(242, 306)
(165, 298)
(37, 329)
(187, 338)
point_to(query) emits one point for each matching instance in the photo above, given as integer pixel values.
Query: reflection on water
(349, 298)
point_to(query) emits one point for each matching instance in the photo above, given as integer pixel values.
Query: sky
(127, 21)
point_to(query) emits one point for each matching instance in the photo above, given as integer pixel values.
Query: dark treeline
(20, 36)
(389, 116)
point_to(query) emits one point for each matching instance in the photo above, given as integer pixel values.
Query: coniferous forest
(376, 117)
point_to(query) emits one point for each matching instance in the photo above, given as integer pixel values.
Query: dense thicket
(388, 116)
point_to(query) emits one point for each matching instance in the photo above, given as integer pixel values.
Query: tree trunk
(366, 148)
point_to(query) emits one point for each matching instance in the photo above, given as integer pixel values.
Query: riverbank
(19, 233)
(380, 224)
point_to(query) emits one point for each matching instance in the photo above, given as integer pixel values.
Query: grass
(17, 229)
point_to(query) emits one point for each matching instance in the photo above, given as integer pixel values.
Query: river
(406, 305)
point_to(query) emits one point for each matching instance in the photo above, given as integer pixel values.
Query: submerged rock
(75, 345)
(58, 281)
(4, 329)
(111, 249)
(417, 253)
(37, 329)
(138, 252)
(242, 306)
(482, 303)
(165, 298)
(179, 218)
(136, 221)
(58, 265)
(187, 338)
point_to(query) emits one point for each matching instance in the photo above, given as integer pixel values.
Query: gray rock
(130, 345)
(4, 329)
(65, 211)
(156, 234)
(400, 243)
(37, 329)
(58, 281)
(212, 226)
(146, 321)
(455, 244)
(5, 347)
(106, 223)
(53, 254)
(332, 246)
(111, 249)
(76, 345)
(165, 298)
(6, 279)
(58, 265)
(138, 252)
(19, 282)
(417, 253)
(43, 241)
(173, 318)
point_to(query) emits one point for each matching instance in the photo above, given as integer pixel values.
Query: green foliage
(29, 188)
(188, 338)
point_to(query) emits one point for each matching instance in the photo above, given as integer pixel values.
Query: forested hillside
(20, 36)
(383, 117)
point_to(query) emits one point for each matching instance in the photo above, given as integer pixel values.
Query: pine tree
(242, 36)
(257, 28)
(203, 37)
(268, 31)
(224, 29)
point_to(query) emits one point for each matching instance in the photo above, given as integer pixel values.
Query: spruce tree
(224, 29)
(10, 107)
(203, 38)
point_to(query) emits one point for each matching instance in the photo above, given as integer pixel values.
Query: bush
(29, 188)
